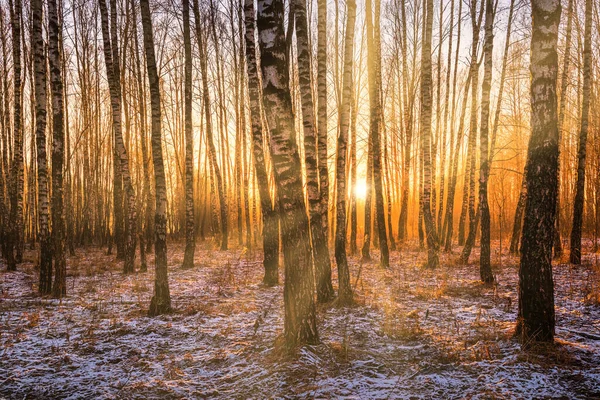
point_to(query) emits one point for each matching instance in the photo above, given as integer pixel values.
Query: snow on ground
(414, 334)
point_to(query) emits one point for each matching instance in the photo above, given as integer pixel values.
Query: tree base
(159, 306)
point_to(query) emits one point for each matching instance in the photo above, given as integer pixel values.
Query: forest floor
(413, 334)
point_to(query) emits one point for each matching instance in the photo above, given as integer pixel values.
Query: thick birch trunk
(536, 319)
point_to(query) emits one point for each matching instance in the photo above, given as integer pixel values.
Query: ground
(413, 334)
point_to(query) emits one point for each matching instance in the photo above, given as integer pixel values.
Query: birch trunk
(161, 299)
(269, 215)
(426, 111)
(322, 131)
(536, 321)
(16, 170)
(111, 58)
(575, 256)
(300, 324)
(55, 57)
(39, 68)
(561, 116)
(485, 268)
(474, 214)
(209, 128)
(190, 231)
(318, 235)
(374, 74)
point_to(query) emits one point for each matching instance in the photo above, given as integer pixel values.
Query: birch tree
(111, 58)
(55, 56)
(535, 321)
(318, 234)
(269, 215)
(190, 232)
(16, 170)
(300, 324)
(161, 299)
(575, 255)
(39, 66)
(426, 111)
(345, 295)
(485, 268)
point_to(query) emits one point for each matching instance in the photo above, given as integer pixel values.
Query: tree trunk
(449, 219)
(39, 67)
(535, 320)
(426, 111)
(345, 295)
(575, 256)
(455, 136)
(161, 300)
(322, 131)
(472, 148)
(558, 250)
(58, 148)
(269, 215)
(408, 131)
(245, 160)
(16, 170)
(445, 122)
(5, 120)
(366, 247)
(318, 235)
(209, 129)
(374, 66)
(353, 171)
(111, 58)
(485, 268)
(190, 231)
(300, 324)
(148, 232)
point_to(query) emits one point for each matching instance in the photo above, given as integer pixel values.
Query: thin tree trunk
(353, 169)
(190, 231)
(245, 161)
(575, 256)
(39, 67)
(472, 148)
(345, 295)
(374, 66)
(318, 235)
(269, 216)
(408, 130)
(161, 300)
(366, 247)
(16, 170)
(449, 218)
(518, 221)
(485, 268)
(445, 122)
(209, 129)
(558, 250)
(58, 148)
(322, 131)
(141, 91)
(449, 223)
(426, 108)
(6, 193)
(111, 58)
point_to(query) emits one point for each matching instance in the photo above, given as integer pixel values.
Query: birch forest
(298, 199)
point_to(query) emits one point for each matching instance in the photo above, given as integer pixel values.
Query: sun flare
(360, 189)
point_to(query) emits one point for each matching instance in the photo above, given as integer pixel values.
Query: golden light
(360, 189)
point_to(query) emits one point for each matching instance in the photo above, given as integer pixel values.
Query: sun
(360, 189)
